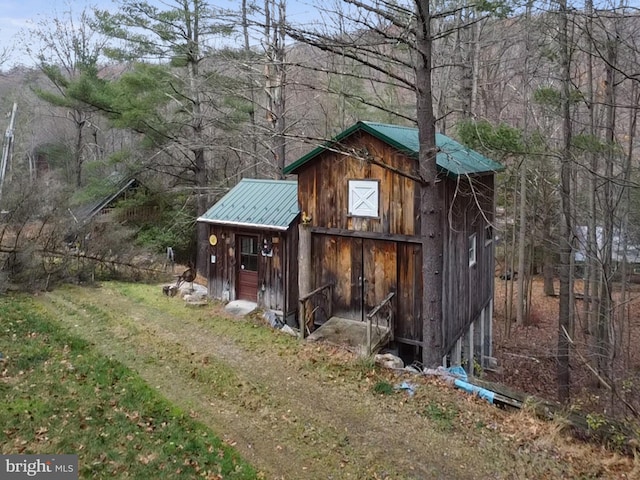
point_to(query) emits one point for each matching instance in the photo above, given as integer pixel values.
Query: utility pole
(7, 147)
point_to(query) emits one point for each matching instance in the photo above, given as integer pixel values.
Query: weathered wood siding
(323, 187)
(222, 273)
(365, 258)
(386, 252)
(466, 289)
(409, 295)
(290, 255)
(277, 274)
(362, 272)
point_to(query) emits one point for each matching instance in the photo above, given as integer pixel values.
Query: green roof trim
(452, 156)
(256, 203)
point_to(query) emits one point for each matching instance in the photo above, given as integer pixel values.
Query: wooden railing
(318, 300)
(382, 311)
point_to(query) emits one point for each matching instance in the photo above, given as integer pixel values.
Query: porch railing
(314, 302)
(382, 311)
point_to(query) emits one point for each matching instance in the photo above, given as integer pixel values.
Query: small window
(363, 198)
(488, 234)
(472, 250)
(249, 254)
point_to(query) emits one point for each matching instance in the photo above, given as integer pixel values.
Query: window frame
(473, 249)
(248, 253)
(374, 185)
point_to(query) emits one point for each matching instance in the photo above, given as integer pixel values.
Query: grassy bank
(61, 396)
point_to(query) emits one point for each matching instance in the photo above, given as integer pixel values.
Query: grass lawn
(60, 396)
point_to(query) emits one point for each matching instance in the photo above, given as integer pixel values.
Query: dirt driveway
(308, 411)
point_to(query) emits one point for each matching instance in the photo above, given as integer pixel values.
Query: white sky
(20, 15)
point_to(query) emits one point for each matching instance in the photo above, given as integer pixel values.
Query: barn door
(247, 262)
(379, 273)
(362, 272)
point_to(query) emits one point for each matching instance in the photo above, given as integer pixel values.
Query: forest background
(189, 97)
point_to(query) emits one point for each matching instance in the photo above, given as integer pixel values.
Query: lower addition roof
(256, 203)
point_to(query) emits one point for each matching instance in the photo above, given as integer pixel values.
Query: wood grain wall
(323, 187)
(278, 274)
(466, 289)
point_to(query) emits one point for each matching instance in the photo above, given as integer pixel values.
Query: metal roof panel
(452, 156)
(257, 203)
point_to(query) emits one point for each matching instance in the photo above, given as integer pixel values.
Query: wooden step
(351, 334)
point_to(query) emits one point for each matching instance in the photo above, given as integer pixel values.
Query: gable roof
(269, 204)
(86, 212)
(453, 157)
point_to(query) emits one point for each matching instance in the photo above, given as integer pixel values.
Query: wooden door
(362, 272)
(247, 262)
(379, 272)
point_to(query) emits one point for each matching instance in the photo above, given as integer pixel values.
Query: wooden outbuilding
(121, 189)
(360, 244)
(253, 241)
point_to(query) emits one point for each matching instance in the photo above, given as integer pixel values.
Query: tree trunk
(475, 72)
(430, 201)
(626, 320)
(78, 160)
(566, 238)
(201, 179)
(251, 88)
(522, 241)
(548, 265)
(603, 342)
(592, 266)
(275, 72)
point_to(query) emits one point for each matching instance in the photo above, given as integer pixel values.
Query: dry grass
(312, 411)
(527, 355)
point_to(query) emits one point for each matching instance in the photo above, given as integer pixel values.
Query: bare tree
(566, 237)
(275, 78)
(431, 224)
(66, 49)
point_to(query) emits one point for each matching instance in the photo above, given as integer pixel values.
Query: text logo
(49, 467)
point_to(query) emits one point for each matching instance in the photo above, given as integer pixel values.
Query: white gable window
(363, 198)
(472, 250)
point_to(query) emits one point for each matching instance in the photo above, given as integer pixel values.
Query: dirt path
(297, 411)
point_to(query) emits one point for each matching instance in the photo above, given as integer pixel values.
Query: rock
(388, 360)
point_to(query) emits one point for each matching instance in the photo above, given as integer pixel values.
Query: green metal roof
(269, 204)
(452, 156)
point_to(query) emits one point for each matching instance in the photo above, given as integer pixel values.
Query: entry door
(379, 272)
(247, 262)
(362, 272)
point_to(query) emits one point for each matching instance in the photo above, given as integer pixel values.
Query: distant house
(359, 195)
(120, 190)
(253, 240)
(622, 250)
(87, 216)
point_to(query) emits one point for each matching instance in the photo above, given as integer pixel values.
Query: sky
(20, 15)
(17, 15)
